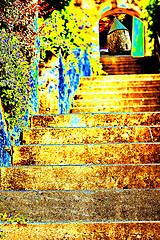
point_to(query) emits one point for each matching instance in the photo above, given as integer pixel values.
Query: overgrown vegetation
(14, 85)
(66, 31)
(152, 16)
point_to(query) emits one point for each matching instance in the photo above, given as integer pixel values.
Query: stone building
(118, 39)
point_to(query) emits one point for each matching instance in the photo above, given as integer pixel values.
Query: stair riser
(69, 206)
(152, 108)
(112, 231)
(91, 135)
(87, 154)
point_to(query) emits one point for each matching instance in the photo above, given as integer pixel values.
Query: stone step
(81, 177)
(87, 154)
(116, 102)
(126, 65)
(83, 230)
(117, 95)
(115, 88)
(122, 78)
(94, 205)
(91, 135)
(115, 109)
(93, 120)
(119, 83)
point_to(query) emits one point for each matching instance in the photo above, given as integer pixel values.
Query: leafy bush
(66, 31)
(15, 81)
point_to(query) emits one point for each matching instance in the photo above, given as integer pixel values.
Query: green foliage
(67, 30)
(17, 47)
(153, 18)
(51, 5)
(14, 85)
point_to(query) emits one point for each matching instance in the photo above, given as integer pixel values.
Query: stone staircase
(115, 65)
(92, 173)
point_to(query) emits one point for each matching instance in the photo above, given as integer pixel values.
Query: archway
(131, 22)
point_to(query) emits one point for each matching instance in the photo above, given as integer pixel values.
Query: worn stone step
(121, 78)
(115, 109)
(86, 154)
(119, 83)
(117, 95)
(116, 102)
(78, 135)
(128, 64)
(94, 205)
(93, 120)
(83, 230)
(80, 177)
(105, 89)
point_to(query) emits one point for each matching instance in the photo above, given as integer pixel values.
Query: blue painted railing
(82, 68)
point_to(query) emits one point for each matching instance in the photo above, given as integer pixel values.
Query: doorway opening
(115, 35)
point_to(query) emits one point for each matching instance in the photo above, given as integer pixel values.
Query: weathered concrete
(91, 135)
(68, 231)
(86, 154)
(100, 205)
(94, 120)
(80, 177)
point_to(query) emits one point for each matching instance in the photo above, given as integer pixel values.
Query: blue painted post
(87, 65)
(4, 142)
(61, 87)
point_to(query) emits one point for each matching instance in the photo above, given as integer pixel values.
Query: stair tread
(80, 177)
(93, 230)
(110, 134)
(68, 206)
(83, 154)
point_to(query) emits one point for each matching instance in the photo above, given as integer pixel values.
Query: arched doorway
(132, 23)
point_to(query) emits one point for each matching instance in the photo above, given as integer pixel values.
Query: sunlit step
(104, 89)
(93, 120)
(114, 109)
(117, 95)
(91, 135)
(80, 177)
(123, 78)
(82, 154)
(120, 83)
(116, 102)
(83, 230)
